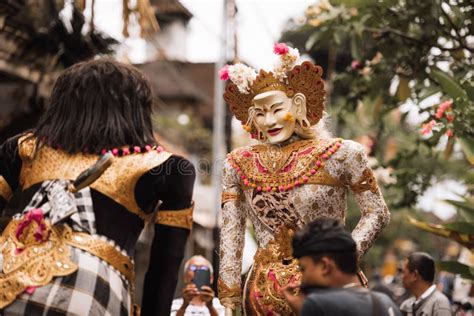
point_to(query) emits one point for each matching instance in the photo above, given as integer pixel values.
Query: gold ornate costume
(118, 182)
(33, 264)
(270, 211)
(291, 179)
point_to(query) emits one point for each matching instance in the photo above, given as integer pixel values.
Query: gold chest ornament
(271, 168)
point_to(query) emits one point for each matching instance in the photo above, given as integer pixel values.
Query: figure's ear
(260, 136)
(416, 275)
(299, 107)
(326, 266)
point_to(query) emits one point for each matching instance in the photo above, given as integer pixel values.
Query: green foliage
(449, 85)
(467, 145)
(465, 271)
(465, 208)
(380, 54)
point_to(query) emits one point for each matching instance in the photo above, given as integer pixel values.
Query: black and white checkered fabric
(62, 206)
(96, 288)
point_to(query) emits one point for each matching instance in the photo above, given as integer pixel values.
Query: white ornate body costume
(282, 186)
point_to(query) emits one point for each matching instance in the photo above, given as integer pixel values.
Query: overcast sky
(259, 25)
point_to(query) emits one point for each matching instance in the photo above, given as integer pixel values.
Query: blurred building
(181, 86)
(170, 42)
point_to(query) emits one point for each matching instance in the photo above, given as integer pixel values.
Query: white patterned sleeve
(231, 238)
(360, 178)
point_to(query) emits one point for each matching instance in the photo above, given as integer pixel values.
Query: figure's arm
(231, 239)
(175, 182)
(375, 215)
(10, 166)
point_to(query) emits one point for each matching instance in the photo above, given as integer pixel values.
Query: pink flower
(439, 113)
(428, 127)
(355, 64)
(446, 105)
(280, 49)
(36, 215)
(450, 117)
(224, 73)
(30, 290)
(450, 133)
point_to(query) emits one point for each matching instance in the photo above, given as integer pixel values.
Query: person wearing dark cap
(418, 276)
(329, 283)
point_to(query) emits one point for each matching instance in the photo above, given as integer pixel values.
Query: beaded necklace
(119, 152)
(286, 176)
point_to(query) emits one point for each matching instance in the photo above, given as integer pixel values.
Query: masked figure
(297, 173)
(68, 251)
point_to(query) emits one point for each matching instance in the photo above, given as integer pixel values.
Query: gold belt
(105, 251)
(29, 263)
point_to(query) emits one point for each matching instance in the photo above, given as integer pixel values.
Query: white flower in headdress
(241, 75)
(288, 57)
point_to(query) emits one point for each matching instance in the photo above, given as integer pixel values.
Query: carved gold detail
(5, 189)
(117, 182)
(304, 78)
(273, 166)
(105, 251)
(274, 267)
(229, 296)
(178, 218)
(366, 182)
(29, 263)
(324, 178)
(229, 196)
(265, 81)
(34, 265)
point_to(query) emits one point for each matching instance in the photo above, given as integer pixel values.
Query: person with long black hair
(57, 263)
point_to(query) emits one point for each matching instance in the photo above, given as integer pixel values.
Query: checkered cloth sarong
(96, 288)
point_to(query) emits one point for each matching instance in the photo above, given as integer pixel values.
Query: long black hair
(95, 105)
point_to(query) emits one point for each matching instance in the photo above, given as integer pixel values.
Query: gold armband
(179, 218)
(5, 190)
(366, 182)
(228, 196)
(229, 296)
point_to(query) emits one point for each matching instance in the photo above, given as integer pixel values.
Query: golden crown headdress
(245, 84)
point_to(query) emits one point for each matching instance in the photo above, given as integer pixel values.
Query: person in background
(195, 301)
(330, 285)
(418, 275)
(380, 286)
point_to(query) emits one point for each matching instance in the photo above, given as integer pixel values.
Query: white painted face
(271, 109)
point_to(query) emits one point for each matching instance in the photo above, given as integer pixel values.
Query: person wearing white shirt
(418, 276)
(195, 301)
